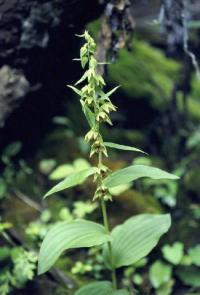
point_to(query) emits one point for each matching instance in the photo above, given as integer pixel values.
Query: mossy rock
(145, 72)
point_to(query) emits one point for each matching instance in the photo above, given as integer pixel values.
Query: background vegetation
(41, 143)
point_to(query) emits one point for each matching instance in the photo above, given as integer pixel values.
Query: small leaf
(122, 147)
(100, 288)
(173, 253)
(77, 91)
(67, 235)
(112, 91)
(135, 238)
(72, 180)
(160, 273)
(134, 172)
(85, 75)
(89, 116)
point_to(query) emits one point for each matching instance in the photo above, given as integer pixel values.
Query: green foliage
(190, 276)
(21, 270)
(135, 238)
(66, 235)
(64, 170)
(194, 254)
(147, 65)
(160, 273)
(173, 253)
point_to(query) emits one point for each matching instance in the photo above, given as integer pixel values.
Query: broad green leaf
(173, 253)
(67, 235)
(89, 116)
(72, 180)
(134, 172)
(100, 288)
(160, 273)
(194, 254)
(135, 238)
(122, 147)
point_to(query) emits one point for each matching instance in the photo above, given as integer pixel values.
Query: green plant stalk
(106, 224)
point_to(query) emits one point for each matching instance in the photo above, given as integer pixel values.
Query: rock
(13, 87)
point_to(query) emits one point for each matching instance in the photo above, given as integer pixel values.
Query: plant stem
(106, 224)
(105, 220)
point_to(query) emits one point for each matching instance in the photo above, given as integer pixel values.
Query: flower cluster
(95, 102)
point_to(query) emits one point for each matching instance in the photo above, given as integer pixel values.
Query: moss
(144, 72)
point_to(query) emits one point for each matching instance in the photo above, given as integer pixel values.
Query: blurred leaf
(12, 149)
(83, 208)
(61, 172)
(134, 172)
(81, 164)
(173, 253)
(135, 238)
(160, 273)
(194, 254)
(67, 235)
(189, 276)
(166, 288)
(64, 170)
(46, 165)
(142, 161)
(118, 190)
(4, 253)
(3, 188)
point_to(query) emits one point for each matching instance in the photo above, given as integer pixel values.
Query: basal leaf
(134, 172)
(122, 147)
(100, 288)
(72, 180)
(135, 238)
(67, 235)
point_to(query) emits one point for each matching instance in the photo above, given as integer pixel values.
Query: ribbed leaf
(66, 235)
(122, 147)
(72, 180)
(135, 238)
(134, 172)
(100, 288)
(89, 116)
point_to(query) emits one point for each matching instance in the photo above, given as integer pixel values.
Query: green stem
(106, 224)
(105, 221)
